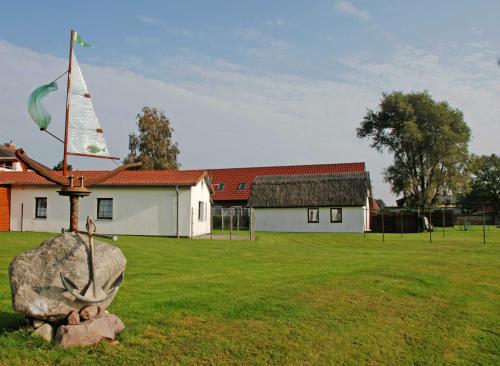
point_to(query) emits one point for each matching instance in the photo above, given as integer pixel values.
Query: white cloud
(229, 115)
(277, 22)
(348, 8)
(176, 31)
(265, 47)
(148, 20)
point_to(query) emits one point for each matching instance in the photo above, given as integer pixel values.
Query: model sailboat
(83, 135)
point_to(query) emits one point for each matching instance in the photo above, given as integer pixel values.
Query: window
(220, 186)
(335, 214)
(202, 211)
(312, 215)
(6, 165)
(41, 207)
(242, 186)
(105, 208)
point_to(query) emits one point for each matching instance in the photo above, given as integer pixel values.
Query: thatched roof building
(322, 190)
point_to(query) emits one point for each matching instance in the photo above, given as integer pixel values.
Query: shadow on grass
(10, 322)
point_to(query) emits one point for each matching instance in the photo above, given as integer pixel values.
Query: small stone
(46, 332)
(36, 323)
(73, 318)
(89, 312)
(89, 332)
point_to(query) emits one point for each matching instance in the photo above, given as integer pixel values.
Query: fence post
(484, 224)
(430, 225)
(383, 228)
(212, 214)
(401, 213)
(238, 219)
(231, 224)
(364, 222)
(192, 221)
(418, 220)
(222, 218)
(251, 219)
(443, 221)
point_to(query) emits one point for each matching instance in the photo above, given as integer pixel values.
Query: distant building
(8, 160)
(137, 202)
(232, 186)
(312, 203)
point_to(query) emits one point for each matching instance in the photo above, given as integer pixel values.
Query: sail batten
(85, 135)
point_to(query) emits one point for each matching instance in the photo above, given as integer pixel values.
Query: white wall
(136, 210)
(16, 166)
(200, 193)
(295, 220)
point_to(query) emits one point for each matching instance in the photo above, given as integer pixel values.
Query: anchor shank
(92, 263)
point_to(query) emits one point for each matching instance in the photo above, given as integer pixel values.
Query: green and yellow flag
(80, 41)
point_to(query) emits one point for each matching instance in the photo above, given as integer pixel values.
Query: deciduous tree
(59, 166)
(428, 140)
(485, 181)
(154, 145)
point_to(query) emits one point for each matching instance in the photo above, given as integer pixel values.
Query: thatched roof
(342, 189)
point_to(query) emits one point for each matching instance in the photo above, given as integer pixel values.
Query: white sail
(85, 134)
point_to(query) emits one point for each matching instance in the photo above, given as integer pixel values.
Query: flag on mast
(35, 107)
(80, 41)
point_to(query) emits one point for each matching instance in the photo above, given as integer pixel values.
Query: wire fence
(434, 221)
(233, 223)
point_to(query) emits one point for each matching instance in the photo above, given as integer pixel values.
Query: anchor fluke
(89, 297)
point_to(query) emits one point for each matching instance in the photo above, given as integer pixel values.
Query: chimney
(10, 145)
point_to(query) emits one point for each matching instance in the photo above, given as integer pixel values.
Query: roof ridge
(288, 166)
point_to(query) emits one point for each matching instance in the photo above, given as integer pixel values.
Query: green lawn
(289, 299)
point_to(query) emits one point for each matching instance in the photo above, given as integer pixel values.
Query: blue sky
(256, 82)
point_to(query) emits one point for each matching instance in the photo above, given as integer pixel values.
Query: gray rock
(46, 332)
(89, 332)
(36, 286)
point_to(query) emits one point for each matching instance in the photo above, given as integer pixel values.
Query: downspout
(177, 209)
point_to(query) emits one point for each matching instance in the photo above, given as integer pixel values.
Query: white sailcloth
(84, 134)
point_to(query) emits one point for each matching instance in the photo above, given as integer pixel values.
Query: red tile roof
(232, 177)
(125, 178)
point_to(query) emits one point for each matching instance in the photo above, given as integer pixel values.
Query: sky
(251, 83)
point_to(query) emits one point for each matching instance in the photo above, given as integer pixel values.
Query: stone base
(102, 326)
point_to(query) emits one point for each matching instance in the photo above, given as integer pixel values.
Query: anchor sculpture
(50, 283)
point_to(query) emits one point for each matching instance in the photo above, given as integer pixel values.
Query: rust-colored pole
(73, 213)
(66, 124)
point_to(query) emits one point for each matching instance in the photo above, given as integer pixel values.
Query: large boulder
(37, 289)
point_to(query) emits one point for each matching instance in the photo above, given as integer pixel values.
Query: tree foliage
(428, 140)
(485, 181)
(59, 166)
(153, 146)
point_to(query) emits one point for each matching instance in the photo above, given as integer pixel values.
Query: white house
(312, 203)
(137, 202)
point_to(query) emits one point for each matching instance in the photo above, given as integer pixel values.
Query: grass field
(289, 299)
